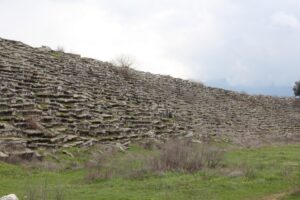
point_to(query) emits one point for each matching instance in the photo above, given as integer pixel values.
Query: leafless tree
(123, 61)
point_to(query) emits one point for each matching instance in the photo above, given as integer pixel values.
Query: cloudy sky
(252, 43)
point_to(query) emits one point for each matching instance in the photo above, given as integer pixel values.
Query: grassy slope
(267, 170)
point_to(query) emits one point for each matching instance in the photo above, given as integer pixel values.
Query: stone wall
(56, 99)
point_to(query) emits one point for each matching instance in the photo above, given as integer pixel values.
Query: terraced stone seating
(52, 99)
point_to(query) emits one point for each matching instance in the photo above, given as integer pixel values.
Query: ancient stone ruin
(51, 99)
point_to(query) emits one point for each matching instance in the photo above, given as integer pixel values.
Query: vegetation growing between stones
(124, 61)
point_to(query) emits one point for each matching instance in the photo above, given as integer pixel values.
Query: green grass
(293, 196)
(266, 171)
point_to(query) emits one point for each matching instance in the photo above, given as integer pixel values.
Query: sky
(250, 43)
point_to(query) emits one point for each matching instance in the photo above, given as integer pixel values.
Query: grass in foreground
(243, 174)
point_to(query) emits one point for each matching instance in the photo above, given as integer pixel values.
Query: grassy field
(259, 173)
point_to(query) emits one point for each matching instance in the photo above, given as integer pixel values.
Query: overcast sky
(246, 42)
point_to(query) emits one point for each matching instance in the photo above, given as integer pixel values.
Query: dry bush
(178, 155)
(175, 155)
(98, 167)
(125, 73)
(132, 166)
(103, 165)
(186, 156)
(123, 61)
(150, 144)
(123, 64)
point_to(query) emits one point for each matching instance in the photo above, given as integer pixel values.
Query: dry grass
(179, 155)
(98, 166)
(125, 73)
(43, 191)
(186, 156)
(174, 155)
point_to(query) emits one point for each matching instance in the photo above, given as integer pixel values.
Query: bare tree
(123, 61)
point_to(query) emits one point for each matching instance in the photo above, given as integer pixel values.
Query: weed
(250, 172)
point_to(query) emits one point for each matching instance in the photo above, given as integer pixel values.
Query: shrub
(179, 155)
(98, 166)
(296, 88)
(123, 61)
(175, 155)
(125, 72)
(184, 155)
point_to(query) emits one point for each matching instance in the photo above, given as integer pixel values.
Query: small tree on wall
(123, 61)
(296, 88)
(124, 64)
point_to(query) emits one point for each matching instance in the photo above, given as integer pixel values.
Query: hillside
(56, 99)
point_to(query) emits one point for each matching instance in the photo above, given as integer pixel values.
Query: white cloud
(241, 41)
(282, 18)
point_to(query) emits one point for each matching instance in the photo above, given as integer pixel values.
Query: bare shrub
(123, 61)
(150, 144)
(175, 155)
(184, 155)
(125, 72)
(133, 166)
(123, 64)
(178, 155)
(99, 166)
